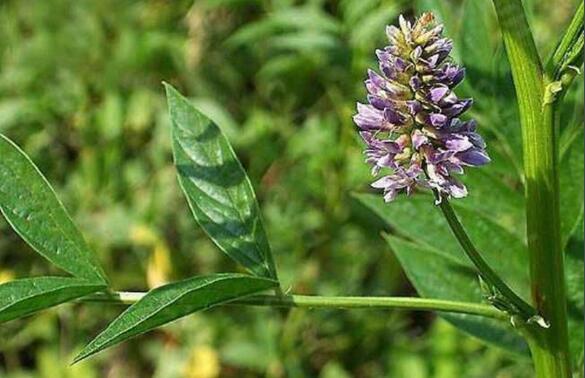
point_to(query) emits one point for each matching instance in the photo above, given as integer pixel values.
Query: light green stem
(569, 50)
(311, 301)
(550, 349)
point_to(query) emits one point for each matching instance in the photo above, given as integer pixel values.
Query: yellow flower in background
(6, 275)
(203, 362)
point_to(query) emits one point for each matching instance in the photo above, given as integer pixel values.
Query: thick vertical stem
(549, 347)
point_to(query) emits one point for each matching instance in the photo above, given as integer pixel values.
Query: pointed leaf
(170, 302)
(417, 219)
(23, 297)
(435, 276)
(31, 207)
(437, 266)
(217, 188)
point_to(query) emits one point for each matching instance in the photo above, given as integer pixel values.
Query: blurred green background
(80, 91)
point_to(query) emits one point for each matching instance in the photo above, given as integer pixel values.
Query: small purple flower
(411, 124)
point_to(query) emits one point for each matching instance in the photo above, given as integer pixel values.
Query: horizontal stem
(312, 301)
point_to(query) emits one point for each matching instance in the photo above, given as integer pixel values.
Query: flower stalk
(514, 304)
(311, 301)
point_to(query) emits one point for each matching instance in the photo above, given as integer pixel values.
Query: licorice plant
(417, 139)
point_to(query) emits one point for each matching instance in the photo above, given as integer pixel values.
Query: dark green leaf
(418, 219)
(170, 302)
(446, 15)
(436, 264)
(217, 188)
(571, 197)
(435, 276)
(571, 185)
(31, 207)
(477, 44)
(23, 297)
(496, 200)
(575, 308)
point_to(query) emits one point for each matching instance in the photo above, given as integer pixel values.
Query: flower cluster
(411, 123)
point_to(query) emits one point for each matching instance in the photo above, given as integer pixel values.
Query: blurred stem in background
(536, 98)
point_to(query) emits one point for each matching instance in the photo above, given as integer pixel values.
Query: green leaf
(23, 297)
(476, 42)
(575, 307)
(217, 188)
(571, 197)
(418, 219)
(495, 199)
(435, 276)
(571, 184)
(436, 264)
(366, 31)
(170, 302)
(445, 14)
(31, 207)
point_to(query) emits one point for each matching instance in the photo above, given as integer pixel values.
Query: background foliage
(80, 91)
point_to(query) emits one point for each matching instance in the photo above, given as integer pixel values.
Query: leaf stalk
(326, 302)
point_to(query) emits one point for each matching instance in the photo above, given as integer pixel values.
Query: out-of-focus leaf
(445, 14)
(477, 45)
(217, 188)
(294, 20)
(305, 18)
(170, 302)
(417, 219)
(435, 276)
(574, 267)
(371, 26)
(495, 199)
(354, 10)
(436, 264)
(571, 202)
(23, 297)
(305, 41)
(31, 207)
(571, 188)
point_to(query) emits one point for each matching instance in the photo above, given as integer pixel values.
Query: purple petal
(368, 118)
(437, 93)
(379, 102)
(458, 143)
(393, 116)
(458, 108)
(382, 182)
(437, 119)
(418, 139)
(473, 157)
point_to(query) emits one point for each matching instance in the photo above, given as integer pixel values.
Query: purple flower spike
(411, 125)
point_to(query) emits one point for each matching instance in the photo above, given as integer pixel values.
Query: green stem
(550, 349)
(310, 301)
(486, 272)
(569, 50)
